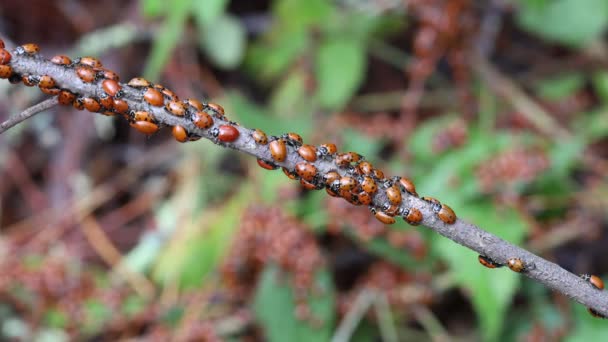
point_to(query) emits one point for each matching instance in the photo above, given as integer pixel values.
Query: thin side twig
(28, 113)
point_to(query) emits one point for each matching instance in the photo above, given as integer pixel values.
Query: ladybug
(46, 81)
(382, 216)
(78, 103)
(196, 104)
(594, 280)
(516, 265)
(145, 127)
(347, 183)
(290, 174)
(595, 313)
(166, 92)
(364, 198)
(344, 159)
(14, 78)
(391, 209)
(89, 61)
(331, 192)
(180, 134)
(331, 177)
(278, 150)
(292, 139)
(120, 106)
(106, 101)
(351, 198)
(154, 97)
(436, 205)
(65, 97)
(308, 152)
(365, 167)
(407, 185)
(487, 262)
(325, 150)
(202, 120)
(108, 74)
(61, 60)
(139, 82)
(176, 108)
(412, 216)
(30, 49)
(306, 171)
(215, 108)
(369, 185)
(5, 57)
(446, 214)
(31, 80)
(142, 116)
(393, 193)
(259, 137)
(49, 91)
(378, 174)
(309, 185)
(227, 133)
(91, 104)
(267, 165)
(5, 71)
(86, 74)
(111, 87)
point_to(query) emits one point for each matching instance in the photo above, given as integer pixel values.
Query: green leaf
(55, 318)
(269, 59)
(289, 99)
(274, 307)
(600, 84)
(571, 22)
(168, 37)
(586, 327)
(152, 8)
(364, 145)
(133, 305)
(491, 290)
(560, 87)
(223, 41)
(95, 314)
(302, 15)
(206, 12)
(195, 252)
(340, 65)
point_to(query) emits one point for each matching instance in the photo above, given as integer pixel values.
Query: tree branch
(461, 232)
(28, 113)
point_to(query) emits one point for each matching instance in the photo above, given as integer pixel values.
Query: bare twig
(349, 324)
(112, 256)
(502, 85)
(464, 233)
(385, 319)
(28, 113)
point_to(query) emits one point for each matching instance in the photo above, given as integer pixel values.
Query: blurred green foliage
(275, 307)
(313, 61)
(337, 42)
(570, 22)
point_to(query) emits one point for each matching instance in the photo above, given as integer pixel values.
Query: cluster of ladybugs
(268, 236)
(517, 265)
(358, 182)
(353, 178)
(392, 282)
(111, 102)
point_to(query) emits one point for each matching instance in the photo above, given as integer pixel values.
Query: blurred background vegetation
(497, 108)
